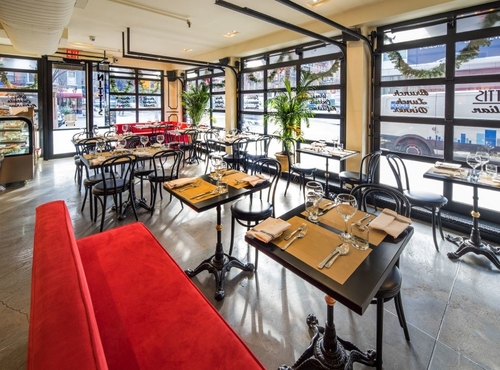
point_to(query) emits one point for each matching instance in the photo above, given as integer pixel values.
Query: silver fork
(366, 225)
(298, 236)
(189, 186)
(300, 228)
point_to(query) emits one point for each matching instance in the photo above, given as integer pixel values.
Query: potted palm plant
(288, 110)
(195, 102)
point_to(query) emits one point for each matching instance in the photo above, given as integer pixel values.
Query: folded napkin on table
(450, 166)
(390, 222)
(141, 153)
(254, 179)
(177, 183)
(268, 229)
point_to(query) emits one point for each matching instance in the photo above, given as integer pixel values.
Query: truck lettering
(410, 93)
(492, 109)
(423, 110)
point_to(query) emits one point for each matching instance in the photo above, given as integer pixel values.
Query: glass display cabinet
(16, 149)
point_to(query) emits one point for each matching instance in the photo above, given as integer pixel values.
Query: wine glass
(95, 130)
(125, 129)
(121, 144)
(313, 194)
(472, 161)
(160, 139)
(483, 158)
(346, 206)
(144, 140)
(100, 145)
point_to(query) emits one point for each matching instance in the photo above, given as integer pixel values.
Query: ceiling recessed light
(231, 34)
(186, 50)
(313, 3)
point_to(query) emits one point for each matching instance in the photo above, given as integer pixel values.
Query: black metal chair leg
(380, 331)
(440, 224)
(434, 221)
(232, 237)
(287, 182)
(401, 315)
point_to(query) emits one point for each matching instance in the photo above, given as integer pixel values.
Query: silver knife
(201, 195)
(325, 261)
(325, 210)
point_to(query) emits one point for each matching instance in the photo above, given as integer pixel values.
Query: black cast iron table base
(327, 351)
(138, 202)
(219, 267)
(467, 245)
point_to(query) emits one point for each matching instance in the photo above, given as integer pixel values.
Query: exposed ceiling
(195, 29)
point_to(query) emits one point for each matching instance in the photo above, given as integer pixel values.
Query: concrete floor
(452, 308)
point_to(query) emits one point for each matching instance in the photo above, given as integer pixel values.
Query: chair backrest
(270, 168)
(84, 146)
(133, 141)
(239, 147)
(372, 160)
(259, 148)
(166, 165)
(399, 170)
(212, 143)
(190, 136)
(118, 173)
(370, 194)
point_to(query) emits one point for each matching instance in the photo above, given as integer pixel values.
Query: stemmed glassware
(144, 140)
(482, 157)
(95, 130)
(121, 144)
(472, 161)
(313, 194)
(125, 129)
(220, 169)
(346, 206)
(160, 139)
(100, 145)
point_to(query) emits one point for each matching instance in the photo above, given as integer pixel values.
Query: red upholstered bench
(117, 300)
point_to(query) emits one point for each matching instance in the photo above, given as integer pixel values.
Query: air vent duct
(35, 26)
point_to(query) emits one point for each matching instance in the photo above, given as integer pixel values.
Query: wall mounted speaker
(224, 61)
(171, 76)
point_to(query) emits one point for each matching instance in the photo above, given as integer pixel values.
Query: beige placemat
(204, 187)
(319, 243)
(233, 177)
(333, 219)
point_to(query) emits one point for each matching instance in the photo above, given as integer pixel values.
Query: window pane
(425, 62)
(218, 101)
(20, 99)
(122, 101)
(14, 63)
(18, 80)
(470, 139)
(477, 21)
(253, 123)
(412, 138)
(253, 63)
(219, 120)
(477, 57)
(321, 50)
(413, 101)
(321, 129)
(394, 37)
(276, 77)
(253, 102)
(283, 57)
(253, 80)
(121, 85)
(328, 69)
(477, 101)
(218, 84)
(325, 101)
(149, 115)
(150, 101)
(149, 87)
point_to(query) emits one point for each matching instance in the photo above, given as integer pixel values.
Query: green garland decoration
(469, 52)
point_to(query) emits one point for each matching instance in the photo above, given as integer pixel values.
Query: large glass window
(438, 91)
(135, 95)
(215, 79)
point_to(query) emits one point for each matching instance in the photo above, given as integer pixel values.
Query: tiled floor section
(452, 308)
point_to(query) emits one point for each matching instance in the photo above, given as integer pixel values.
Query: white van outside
(427, 140)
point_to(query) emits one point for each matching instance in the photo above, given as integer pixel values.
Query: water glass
(491, 170)
(313, 194)
(360, 236)
(144, 140)
(222, 187)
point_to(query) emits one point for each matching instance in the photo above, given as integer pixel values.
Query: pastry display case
(16, 149)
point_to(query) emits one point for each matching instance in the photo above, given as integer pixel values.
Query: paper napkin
(254, 180)
(390, 222)
(177, 183)
(269, 229)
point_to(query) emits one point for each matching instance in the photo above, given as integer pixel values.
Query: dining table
(353, 280)
(455, 174)
(203, 197)
(94, 160)
(328, 153)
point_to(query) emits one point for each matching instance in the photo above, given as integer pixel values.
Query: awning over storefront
(69, 95)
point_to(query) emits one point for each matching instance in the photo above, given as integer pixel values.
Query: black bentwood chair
(117, 178)
(419, 198)
(251, 210)
(297, 169)
(391, 287)
(213, 148)
(238, 157)
(370, 162)
(165, 165)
